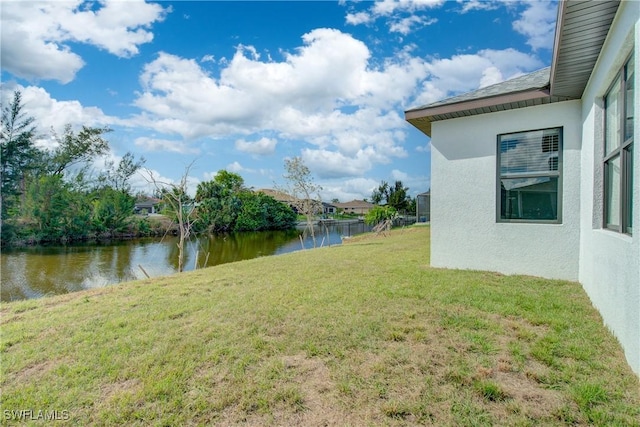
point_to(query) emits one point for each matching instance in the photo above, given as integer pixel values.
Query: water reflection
(40, 271)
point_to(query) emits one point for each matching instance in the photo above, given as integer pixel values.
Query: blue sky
(243, 85)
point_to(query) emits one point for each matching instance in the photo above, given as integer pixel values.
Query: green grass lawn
(364, 333)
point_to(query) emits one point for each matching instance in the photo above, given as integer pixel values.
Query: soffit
(581, 30)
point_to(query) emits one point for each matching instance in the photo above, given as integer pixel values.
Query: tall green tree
(219, 201)
(77, 148)
(18, 155)
(113, 202)
(399, 197)
(117, 177)
(49, 190)
(261, 212)
(230, 181)
(396, 196)
(380, 194)
(58, 211)
(111, 210)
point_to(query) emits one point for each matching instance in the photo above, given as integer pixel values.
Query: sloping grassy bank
(365, 333)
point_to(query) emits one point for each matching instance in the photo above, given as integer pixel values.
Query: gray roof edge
(538, 80)
(556, 41)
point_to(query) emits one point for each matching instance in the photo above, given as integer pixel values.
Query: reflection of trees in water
(116, 261)
(45, 270)
(173, 253)
(51, 270)
(224, 248)
(12, 274)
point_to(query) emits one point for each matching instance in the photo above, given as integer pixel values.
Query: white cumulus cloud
(262, 147)
(52, 114)
(155, 144)
(237, 168)
(326, 93)
(359, 18)
(403, 16)
(537, 23)
(467, 72)
(36, 34)
(346, 190)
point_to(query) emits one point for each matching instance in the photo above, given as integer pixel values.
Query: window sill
(627, 238)
(528, 221)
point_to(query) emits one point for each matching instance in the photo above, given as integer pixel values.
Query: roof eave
(562, 8)
(422, 118)
(581, 31)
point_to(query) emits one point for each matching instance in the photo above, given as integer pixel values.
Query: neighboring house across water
(294, 203)
(538, 175)
(359, 207)
(147, 205)
(329, 208)
(278, 195)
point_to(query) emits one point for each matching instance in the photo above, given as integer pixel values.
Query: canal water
(34, 272)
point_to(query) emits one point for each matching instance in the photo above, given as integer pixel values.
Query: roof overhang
(581, 29)
(422, 117)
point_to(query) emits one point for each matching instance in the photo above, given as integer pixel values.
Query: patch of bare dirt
(112, 390)
(535, 401)
(321, 405)
(34, 372)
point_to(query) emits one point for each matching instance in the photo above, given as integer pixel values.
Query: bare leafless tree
(305, 197)
(180, 206)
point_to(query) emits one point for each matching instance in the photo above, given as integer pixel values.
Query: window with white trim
(530, 176)
(618, 155)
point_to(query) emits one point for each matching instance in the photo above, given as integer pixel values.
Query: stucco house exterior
(355, 207)
(278, 195)
(538, 175)
(148, 205)
(329, 208)
(296, 204)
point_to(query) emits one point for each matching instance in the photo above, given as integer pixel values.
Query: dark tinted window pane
(612, 192)
(629, 187)
(612, 118)
(628, 127)
(529, 198)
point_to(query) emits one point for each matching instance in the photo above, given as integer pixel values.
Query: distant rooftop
(354, 204)
(277, 194)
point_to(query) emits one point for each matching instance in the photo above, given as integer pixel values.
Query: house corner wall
(609, 267)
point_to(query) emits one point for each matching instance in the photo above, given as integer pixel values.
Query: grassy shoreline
(364, 333)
